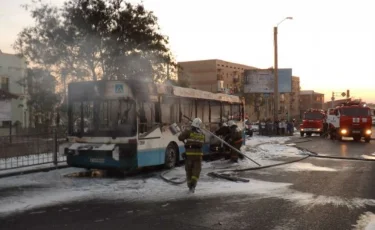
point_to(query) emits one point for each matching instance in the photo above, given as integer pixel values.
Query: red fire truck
(313, 120)
(351, 119)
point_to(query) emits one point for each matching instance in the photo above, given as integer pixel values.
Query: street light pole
(276, 77)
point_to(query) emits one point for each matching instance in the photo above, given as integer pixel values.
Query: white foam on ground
(365, 221)
(33, 167)
(368, 157)
(52, 188)
(256, 139)
(300, 166)
(55, 189)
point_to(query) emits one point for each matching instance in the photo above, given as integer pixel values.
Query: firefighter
(235, 140)
(193, 139)
(224, 132)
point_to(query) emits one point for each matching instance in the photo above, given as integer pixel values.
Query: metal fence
(31, 149)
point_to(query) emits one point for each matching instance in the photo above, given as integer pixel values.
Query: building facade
(12, 72)
(226, 77)
(291, 103)
(213, 75)
(310, 100)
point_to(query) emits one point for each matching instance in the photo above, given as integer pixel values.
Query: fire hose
(219, 174)
(226, 143)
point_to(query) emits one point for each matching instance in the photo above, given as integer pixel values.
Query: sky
(328, 44)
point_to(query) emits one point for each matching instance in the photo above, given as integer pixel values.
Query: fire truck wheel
(357, 138)
(308, 134)
(302, 134)
(367, 139)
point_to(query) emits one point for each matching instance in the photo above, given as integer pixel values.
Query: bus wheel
(170, 156)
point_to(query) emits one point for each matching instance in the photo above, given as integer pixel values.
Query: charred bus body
(126, 125)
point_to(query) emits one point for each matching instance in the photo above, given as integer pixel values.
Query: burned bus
(125, 125)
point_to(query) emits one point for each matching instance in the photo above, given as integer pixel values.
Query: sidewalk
(31, 169)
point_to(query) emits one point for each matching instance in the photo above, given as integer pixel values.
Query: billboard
(5, 110)
(262, 81)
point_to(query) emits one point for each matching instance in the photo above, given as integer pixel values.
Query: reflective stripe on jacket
(193, 142)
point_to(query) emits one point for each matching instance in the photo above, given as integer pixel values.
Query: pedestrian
(194, 140)
(289, 127)
(281, 127)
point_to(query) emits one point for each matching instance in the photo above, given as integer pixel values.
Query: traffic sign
(119, 88)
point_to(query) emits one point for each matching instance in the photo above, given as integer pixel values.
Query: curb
(47, 169)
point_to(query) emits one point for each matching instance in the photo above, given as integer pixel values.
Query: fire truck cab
(313, 122)
(351, 119)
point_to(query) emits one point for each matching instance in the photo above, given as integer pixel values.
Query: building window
(4, 84)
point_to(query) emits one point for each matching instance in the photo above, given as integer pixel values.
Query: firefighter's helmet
(197, 122)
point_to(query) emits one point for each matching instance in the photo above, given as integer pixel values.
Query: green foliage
(95, 39)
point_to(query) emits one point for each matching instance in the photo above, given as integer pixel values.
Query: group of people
(194, 139)
(278, 127)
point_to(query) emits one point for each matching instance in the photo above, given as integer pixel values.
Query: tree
(94, 39)
(42, 100)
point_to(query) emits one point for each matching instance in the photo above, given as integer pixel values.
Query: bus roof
(196, 94)
(141, 89)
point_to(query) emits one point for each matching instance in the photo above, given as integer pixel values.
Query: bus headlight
(344, 131)
(368, 132)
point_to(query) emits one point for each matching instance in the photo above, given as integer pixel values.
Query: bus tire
(171, 156)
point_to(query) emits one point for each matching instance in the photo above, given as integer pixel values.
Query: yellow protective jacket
(194, 141)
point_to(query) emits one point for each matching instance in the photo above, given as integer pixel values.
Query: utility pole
(276, 79)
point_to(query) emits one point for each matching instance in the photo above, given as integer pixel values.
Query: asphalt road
(333, 196)
(345, 148)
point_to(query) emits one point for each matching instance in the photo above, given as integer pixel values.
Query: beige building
(221, 76)
(291, 103)
(12, 71)
(213, 75)
(310, 100)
